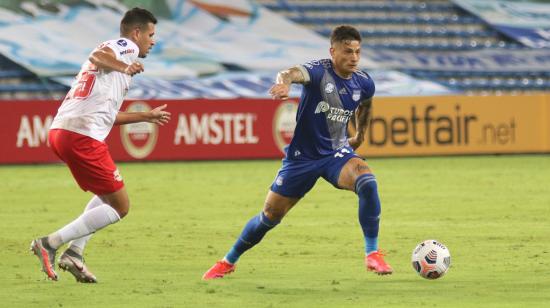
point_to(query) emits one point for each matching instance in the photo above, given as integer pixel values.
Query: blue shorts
(297, 177)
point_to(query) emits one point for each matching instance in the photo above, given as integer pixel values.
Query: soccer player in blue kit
(334, 91)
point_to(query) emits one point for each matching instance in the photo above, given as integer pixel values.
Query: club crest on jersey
(356, 95)
(117, 176)
(122, 43)
(329, 88)
(322, 107)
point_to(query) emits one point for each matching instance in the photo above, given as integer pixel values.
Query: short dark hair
(344, 33)
(136, 17)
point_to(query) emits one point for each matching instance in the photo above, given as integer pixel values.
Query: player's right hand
(279, 91)
(134, 68)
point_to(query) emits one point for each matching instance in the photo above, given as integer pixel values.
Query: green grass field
(493, 212)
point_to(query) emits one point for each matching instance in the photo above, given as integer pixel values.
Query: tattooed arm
(362, 120)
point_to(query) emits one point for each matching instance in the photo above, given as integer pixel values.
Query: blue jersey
(327, 104)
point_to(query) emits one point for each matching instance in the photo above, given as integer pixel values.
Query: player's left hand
(159, 116)
(355, 142)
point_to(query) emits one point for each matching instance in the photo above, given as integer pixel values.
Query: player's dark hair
(136, 17)
(344, 33)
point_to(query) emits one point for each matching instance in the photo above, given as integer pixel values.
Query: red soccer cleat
(219, 270)
(375, 262)
(46, 256)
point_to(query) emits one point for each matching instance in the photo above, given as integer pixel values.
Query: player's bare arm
(284, 79)
(157, 116)
(362, 118)
(105, 58)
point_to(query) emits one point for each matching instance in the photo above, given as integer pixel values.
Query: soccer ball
(431, 259)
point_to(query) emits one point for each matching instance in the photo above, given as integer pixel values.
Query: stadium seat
(417, 26)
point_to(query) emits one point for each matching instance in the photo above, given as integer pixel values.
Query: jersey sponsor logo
(139, 139)
(122, 43)
(356, 95)
(126, 51)
(332, 113)
(339, 115)
(284, 122)
(322, 107)
(329, 88)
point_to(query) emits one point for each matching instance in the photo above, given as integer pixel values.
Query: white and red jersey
(91, 106)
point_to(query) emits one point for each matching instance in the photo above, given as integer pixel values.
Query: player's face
(345, 56)
(145, 40)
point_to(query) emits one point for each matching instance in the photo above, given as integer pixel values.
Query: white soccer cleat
(73, 263)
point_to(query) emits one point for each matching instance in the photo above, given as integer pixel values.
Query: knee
(274, 213)
(119, 201)
(122, 208)
(122, 213)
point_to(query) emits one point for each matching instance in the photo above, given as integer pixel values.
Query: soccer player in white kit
(77, 135)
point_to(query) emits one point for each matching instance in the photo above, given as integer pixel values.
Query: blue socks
(252, 234)
(369, 210)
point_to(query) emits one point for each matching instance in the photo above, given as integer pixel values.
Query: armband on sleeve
(305, 73)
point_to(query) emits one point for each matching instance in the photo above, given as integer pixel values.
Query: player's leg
(72, 260)
(94, 170)
(110, 210)
(293, 181)
(356, 176)
(78, 244)
(275, 208)
(114, 207)
(87, 223)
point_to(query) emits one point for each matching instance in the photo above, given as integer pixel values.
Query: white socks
(78, 245)
(97, 215)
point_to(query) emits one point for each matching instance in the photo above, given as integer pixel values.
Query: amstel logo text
(216, 128)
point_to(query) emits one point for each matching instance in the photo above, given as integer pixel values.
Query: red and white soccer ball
(431, 259)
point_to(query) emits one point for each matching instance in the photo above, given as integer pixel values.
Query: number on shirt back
(85, 82)
(85, 85)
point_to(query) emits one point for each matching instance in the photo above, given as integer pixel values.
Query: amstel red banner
(199, 130)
